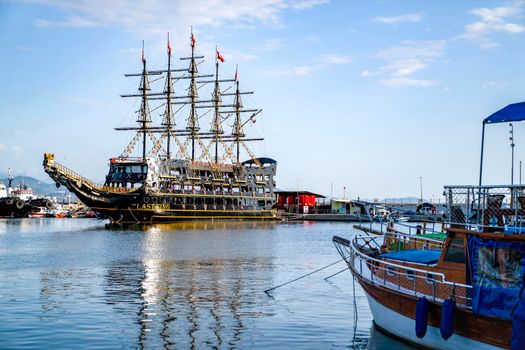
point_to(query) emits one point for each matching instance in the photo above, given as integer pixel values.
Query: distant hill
(40, 188)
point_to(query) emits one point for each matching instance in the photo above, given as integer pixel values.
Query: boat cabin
(127, 172)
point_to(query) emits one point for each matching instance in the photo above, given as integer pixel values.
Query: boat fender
(421, 317)
(9, 202)
(517, 340)
(19, 204)
(49, 205)
(448, 311)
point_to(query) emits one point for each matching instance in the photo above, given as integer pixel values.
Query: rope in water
(335, 274)
(303, 276)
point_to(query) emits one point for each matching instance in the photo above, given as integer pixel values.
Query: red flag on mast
(143, 59)
(192, 39)
(236, 74)
(219, 56)
(169, 46)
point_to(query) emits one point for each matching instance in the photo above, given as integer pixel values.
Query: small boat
(465, 292)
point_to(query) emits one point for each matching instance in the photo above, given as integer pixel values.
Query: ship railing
(70, 174)
(362, 255)
(487, 208)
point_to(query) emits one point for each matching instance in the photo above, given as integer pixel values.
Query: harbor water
(74, 283)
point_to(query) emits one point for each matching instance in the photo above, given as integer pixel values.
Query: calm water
(73, 283)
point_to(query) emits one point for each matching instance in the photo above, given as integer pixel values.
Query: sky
(359, 98)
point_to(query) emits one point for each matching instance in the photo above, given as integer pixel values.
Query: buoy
(421, 317)
(448, 311)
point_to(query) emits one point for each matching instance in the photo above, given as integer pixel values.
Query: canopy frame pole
(482, 147)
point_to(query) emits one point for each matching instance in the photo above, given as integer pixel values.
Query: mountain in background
(40, 188)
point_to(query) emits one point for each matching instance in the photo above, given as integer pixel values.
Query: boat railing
(490, 208)
(397, 241)
(365, 262)
(70, 174)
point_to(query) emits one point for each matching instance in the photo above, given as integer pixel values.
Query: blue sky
(367, 95)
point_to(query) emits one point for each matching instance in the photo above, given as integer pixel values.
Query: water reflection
(74, 284)
(188, 303)
(197, 226)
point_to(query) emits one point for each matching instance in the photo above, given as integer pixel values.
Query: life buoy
(121, 189)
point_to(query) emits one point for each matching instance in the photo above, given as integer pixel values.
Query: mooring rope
(335, 274)
(303, 276)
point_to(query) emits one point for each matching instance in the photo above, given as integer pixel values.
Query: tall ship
(180, 171)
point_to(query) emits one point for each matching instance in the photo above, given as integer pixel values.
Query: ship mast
(237, 126)
(217, 103)
(193, 125)
(144, 120)
(169, 90)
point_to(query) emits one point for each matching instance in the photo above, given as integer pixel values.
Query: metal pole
(421, 187)
(512, 151)
(298, 194)
(344, 192)
(481, 160)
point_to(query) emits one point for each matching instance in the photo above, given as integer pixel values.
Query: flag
(192, 40)
(253, 120)
(219, 56)
(169, 46)
(143, 58)
(236, 74)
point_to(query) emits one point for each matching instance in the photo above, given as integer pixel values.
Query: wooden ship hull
(394, 313)
(138, 205)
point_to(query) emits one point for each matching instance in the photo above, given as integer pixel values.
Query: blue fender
(421, 317)
(448, 311)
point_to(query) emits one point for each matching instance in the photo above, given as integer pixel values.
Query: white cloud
(494, 85)
(74, 22)
(299, 71)
(408, 18)
(23, 48)
(150, 20)
(335, 59)
(82, 101)
(319, 63)
(270, 45)
(155, 17)
(17, 151)
(407, 81)
(405, 60)
(492, 21)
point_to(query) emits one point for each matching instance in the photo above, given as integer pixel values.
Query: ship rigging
(188, 172)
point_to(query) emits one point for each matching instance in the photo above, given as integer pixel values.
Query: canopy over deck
(427, 256)
(512, 113)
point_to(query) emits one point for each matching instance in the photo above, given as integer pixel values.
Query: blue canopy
(512, 113)
(420, 256)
